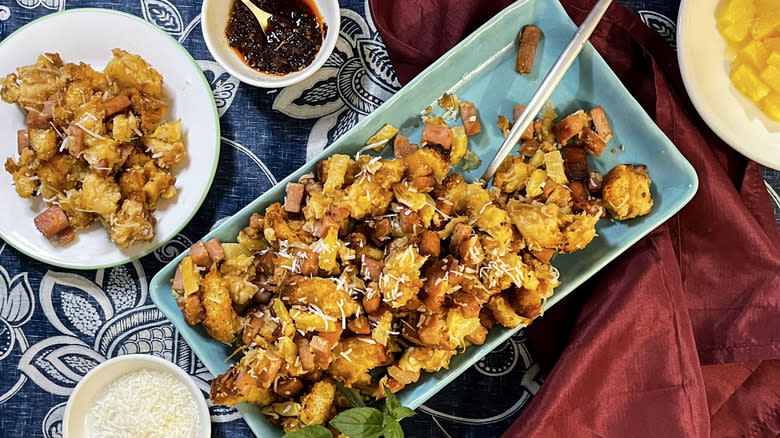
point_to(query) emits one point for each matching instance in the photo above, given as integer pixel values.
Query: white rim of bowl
(270, 81)
(200, 401)
(685, 10)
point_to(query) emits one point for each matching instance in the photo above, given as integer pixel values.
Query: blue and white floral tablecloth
(57, 324)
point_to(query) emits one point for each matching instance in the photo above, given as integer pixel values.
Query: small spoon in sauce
(261, 15)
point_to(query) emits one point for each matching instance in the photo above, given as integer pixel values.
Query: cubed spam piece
(402, 147)
(529, 40)
(517, 111)
(116, 105)
(215, 250)
(437, 134)
(199, 254)
(22, 140)
(599, 118)
(468, 112)
(294, 198)
(51, 221)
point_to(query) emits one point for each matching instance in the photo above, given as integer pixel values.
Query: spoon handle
(553, 78)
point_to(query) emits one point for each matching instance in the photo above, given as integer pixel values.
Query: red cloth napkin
(681, 335)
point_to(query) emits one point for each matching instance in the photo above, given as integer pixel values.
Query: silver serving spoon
(553, 78)
(261, 15)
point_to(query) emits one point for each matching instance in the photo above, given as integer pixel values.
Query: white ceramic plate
(89, 35)
(705, 68)
(92, 387)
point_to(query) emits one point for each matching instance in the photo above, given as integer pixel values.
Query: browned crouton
(430, 244)
(570, 126)
(593, 142)
(410, 221)
(529, 40)
(575, 163)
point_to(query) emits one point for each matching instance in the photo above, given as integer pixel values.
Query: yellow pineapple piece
(736, 18)
(767, 18)
(755, 52)
(771, 106)
(774, 59)
(746, 80)
(773, 45)
(771, 76)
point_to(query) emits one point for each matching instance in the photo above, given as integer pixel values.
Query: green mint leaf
(352, 397)
(311, 431)
(359, 422)
(401, 412)
(393, 429)
(391, 401)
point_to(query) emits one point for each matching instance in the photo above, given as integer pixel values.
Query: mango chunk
(771, 76)
(774, 59)
(756, 52)
(748, 83)
(736, 19)
(736, 12)
(771, 106)
(767, 18)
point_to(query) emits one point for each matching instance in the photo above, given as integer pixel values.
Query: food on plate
(96, 145)
(394, 264)
(752, 30)
(290, 43)
(529, 40)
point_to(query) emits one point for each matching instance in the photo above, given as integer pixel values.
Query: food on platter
(752, 31)
(395, 264)
(529, 40)
(95, 147)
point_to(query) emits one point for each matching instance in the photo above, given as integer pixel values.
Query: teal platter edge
(481, 70)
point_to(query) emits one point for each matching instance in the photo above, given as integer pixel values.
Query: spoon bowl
(261, 15)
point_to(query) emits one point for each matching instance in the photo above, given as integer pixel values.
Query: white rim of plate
(142, 360)
(6, 238)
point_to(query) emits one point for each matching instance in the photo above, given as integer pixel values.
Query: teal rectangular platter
(481, 69)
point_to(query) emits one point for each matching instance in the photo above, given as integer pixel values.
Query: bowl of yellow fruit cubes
(729, 54)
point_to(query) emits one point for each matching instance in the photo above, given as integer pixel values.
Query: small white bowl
(214, 18)
(92, 386)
